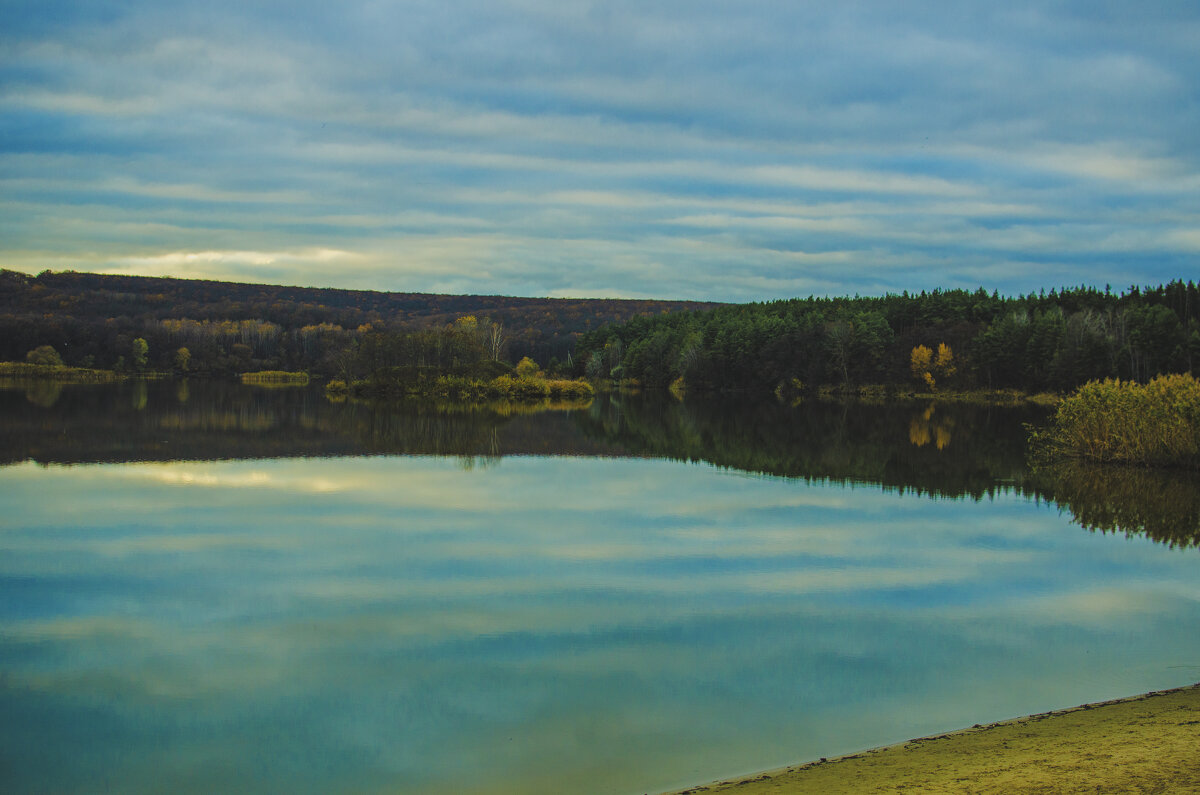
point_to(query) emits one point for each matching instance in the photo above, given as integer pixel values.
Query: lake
(210, 587)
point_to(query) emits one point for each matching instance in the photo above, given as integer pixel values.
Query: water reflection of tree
(199, 420)
(819, 442)
(43, 393)
(140, 395)
(852, 443)
(928, 425)
(845, 442)
(1161, 504)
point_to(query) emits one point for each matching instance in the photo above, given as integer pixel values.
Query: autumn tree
(944, 365)
(928, 368)
(921, 364)
(527, 367)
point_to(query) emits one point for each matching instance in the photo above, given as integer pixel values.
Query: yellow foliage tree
(929, 369)
(921, 362)
(943, 365)
(527, 367)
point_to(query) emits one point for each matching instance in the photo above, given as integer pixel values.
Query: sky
(729, 151)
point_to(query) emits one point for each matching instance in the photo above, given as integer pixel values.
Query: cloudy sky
(707, 150)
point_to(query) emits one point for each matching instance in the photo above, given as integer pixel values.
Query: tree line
(945, 339)
(951, 339)
(93, 320)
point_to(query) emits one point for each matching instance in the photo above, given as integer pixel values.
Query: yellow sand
(1149, 743)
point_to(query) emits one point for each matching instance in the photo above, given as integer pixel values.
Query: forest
(224, 329)
(941, 340)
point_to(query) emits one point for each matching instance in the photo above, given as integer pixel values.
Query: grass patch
(1140, 744)
(54, 372)
(462, 388)
(275, 378)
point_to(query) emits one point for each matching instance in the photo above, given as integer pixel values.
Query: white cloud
(228, 264)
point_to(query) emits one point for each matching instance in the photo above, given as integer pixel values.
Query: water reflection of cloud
(150, 544)
(189, 543)
(192, 475)
(206, 476)
(1104, 607)
(415, 604)
(404, 483)
(65, 628)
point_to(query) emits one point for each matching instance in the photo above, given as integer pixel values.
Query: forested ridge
(940, 340)
(93, 320)
(945, 339)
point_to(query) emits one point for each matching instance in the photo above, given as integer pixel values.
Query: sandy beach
(1143, 744)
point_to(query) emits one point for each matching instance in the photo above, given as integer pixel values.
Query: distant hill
(94, 315)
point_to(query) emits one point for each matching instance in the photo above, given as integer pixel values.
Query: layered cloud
(691, 150)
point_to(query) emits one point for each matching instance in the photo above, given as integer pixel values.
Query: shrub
(44, 355)
(872, 393)
(457, 387)
(527, 367)
(518, 387)
(563, 388)
(1155, 424)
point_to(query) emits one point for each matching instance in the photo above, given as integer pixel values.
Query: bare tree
(495, 340)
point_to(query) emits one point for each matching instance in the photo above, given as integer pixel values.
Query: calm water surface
(371, 600)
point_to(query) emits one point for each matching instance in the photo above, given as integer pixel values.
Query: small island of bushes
(48, 372)
(44, 364)
(525, 382)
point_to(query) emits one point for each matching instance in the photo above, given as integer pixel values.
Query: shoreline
(1143, 743)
